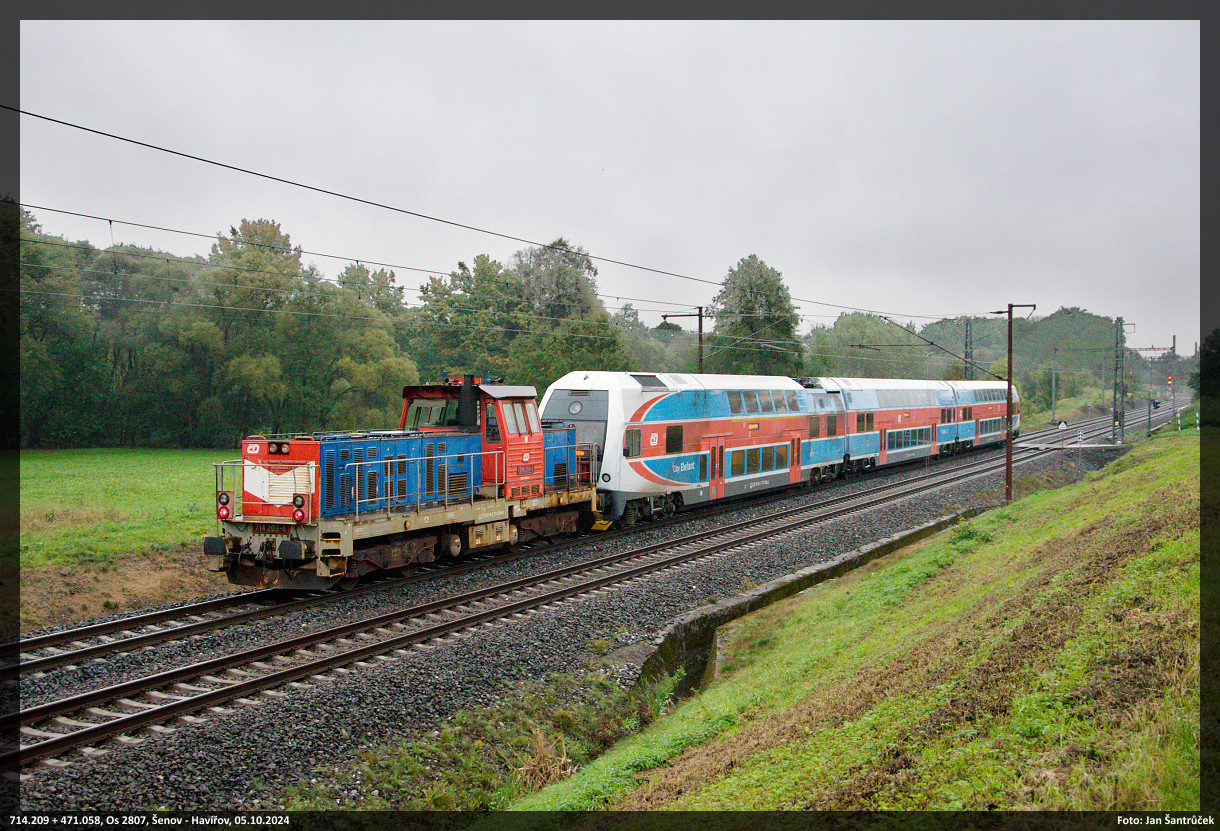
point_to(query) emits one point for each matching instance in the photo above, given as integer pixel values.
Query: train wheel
(630, 515)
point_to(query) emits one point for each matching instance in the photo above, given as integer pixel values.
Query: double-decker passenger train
(473, 466)
(664, 441)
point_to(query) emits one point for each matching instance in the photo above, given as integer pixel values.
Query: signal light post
(1008, 424)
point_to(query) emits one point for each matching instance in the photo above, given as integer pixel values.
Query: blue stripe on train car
(946, 433)
(860, 445)
(823, 451)
(683, 469)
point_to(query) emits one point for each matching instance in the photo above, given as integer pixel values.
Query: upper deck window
(751, 399)
(764, 398)
(735, 405)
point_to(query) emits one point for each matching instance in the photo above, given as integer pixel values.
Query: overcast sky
(919, 169)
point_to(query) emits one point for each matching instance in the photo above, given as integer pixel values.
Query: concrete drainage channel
(689, 641)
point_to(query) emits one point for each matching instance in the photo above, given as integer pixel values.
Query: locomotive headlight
(222, 498)
(275, 448)
(298, 500)
(223, 512)
(298, 515)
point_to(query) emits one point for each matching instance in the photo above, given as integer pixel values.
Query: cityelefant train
(477, 466)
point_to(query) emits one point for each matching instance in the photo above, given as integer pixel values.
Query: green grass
(87, 506)
(1083, 676)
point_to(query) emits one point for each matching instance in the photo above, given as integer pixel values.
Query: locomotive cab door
(714, 447)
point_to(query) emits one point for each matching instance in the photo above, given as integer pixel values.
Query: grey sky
(921, 169)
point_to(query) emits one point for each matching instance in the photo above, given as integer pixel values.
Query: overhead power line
(419, 215)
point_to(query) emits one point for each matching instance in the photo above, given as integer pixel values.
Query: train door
(714, 447)
(794, 456)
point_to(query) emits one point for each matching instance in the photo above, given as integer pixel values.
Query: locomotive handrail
(359, 483)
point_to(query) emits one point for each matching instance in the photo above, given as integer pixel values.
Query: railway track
(72, 647)
(165, 701)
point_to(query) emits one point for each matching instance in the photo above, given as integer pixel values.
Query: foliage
(133, 347)
(755, 331)
(538, 732)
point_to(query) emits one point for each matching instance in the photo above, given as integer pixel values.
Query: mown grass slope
(1044, 655)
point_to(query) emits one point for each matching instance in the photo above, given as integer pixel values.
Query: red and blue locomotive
(471, 467)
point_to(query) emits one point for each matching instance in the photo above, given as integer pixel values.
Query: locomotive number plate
(268, 528)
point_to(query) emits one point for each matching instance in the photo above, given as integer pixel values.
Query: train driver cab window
(519, 411)
(491, 423)
(631, 443)
(510, 419)
(751, 399)
(735, 405)
(531, 413)
(673, 438)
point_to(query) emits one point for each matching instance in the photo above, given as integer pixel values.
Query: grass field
(89, 506)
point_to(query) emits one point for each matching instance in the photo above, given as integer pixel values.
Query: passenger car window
(751, 401)
(764, 398)
(673, 438)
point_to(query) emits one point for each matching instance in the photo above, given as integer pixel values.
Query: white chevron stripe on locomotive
(277, 488)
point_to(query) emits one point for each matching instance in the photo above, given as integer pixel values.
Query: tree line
(131, 346)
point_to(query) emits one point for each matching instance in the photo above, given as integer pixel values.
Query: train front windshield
(587, 409)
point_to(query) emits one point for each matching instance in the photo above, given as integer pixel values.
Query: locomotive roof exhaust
(468, 405)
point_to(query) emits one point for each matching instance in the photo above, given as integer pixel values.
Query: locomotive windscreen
(587, 409)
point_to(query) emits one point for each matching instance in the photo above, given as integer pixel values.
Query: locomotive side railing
(368, 486)
(431, 485)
